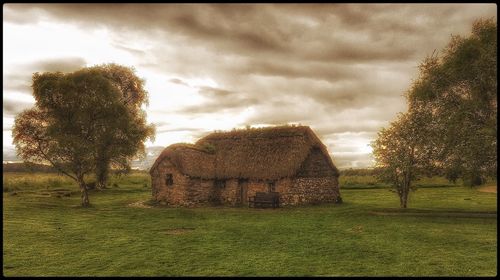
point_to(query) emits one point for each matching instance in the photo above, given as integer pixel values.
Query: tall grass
(21, 181)
(361, 182)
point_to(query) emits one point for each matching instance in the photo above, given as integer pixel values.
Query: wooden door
(243, 185)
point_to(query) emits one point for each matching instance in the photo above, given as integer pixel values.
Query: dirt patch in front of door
(139, 204)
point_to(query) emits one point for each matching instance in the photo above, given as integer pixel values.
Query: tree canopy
(402, 152)
(74, 114)
(459, 88)
(117, 150)
(450, 126)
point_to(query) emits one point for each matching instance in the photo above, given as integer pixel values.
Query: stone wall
(199, 192)
(292, 191)
(230, 193)
(309, 190)
(174, 194)
(187, 191)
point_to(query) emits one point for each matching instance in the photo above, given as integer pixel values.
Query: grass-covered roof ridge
(259, 132)
(253, 153)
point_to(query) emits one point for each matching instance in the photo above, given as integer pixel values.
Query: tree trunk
(404, 200)
(102, 172)
(406, 192)
(83, 189)
(402, 193)
(406, 184)
(403, 197)
(102, 179)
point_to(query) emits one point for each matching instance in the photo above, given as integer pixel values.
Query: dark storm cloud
(13, 107)
(215, 92)
(336, 67)
(19, 76)
(67, 64)
(279, 38)
(218, 23)
(310, 31)
(300, 69)
(129, 49)
(17, 82)
(350, 52)
(232, 24)
(219, 105)
(218, 100)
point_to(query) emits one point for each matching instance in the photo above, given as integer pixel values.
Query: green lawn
(367, 235)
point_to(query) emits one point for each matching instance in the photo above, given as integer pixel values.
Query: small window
(220, 184)
(169, 180)
(271, 187)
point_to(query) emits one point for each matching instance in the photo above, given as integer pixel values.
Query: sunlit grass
(371, 182)
(53, 236)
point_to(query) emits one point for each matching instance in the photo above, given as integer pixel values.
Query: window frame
(271, 186)
(221, 184)
(169, 180)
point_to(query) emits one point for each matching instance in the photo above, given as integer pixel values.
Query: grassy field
(449, 230)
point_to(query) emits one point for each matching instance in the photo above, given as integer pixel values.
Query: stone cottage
(229, 167)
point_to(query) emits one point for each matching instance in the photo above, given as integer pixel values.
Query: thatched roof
(255, 153)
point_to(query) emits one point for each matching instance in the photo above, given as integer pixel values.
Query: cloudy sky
(340, 68)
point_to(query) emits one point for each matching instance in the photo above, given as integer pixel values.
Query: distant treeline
(28, 167)
(377, 171)
(359, 172)
(42, 168)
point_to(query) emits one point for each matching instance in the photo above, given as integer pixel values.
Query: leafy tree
(459, 88)
(66, 125)
(116, 148)
(402, 152)
(451, 122)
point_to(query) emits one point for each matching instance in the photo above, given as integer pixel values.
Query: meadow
(448, 230)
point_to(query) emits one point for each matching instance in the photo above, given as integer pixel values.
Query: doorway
(243, 189)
